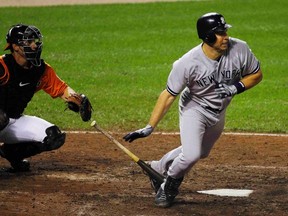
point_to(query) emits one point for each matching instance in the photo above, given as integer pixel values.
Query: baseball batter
(23, 73)
(207, 77)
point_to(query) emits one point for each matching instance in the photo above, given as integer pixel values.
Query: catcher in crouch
(22, 74)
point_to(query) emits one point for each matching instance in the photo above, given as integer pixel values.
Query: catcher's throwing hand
(144, 132)
(79, 103)
(224, 90)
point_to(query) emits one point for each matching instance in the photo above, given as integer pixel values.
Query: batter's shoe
(20, 166)
(167, 192)
(154, 184)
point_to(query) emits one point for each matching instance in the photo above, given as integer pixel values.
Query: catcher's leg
(16, 153)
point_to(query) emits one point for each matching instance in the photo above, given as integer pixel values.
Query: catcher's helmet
(209, 24)
(23, 35)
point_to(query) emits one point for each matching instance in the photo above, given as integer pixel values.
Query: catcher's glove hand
(79, 103)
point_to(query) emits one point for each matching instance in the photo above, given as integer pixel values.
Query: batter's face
(222, 42)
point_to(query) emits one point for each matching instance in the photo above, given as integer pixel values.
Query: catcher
(22, 74)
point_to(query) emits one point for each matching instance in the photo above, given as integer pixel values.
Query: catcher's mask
(23, 35)
(210, 24)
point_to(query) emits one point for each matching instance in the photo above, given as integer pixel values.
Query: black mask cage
(30, 35)
(24, 35)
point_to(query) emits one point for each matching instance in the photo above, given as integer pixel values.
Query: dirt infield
(90, 175)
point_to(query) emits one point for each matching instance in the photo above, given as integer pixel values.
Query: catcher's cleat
(154, 184)
(20, 166)
(167, 192)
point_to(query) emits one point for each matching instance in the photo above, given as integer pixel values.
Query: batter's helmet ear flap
(210, 38)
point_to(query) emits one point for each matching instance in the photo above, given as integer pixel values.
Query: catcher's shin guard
(19, 151)
(15, 154)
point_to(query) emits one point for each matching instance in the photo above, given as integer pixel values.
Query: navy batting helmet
(210, 24)
(23, 35)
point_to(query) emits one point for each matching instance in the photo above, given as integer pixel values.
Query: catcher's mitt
(79, 103)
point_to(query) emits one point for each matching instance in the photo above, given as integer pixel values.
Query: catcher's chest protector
(18, 90)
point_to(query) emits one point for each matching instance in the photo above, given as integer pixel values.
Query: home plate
(228, 192)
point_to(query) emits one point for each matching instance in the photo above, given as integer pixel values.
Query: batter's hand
(223, 90)
(144, 132)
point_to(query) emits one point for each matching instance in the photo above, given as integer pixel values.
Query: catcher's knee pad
(54, 139)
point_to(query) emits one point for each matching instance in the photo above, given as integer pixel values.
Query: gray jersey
(196, 75)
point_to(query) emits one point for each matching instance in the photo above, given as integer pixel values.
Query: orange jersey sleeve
(51, 83)
(4, 72)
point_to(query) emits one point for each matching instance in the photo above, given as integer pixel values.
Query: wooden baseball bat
(149, 170)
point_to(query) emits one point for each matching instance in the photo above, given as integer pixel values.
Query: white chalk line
(177, 133)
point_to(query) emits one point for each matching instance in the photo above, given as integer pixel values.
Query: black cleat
(161, 199)
(154, 184)
(165, 197)
(20, 166)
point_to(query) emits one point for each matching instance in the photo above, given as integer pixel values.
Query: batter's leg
(164, 163)
(192, 129)
(211, 135)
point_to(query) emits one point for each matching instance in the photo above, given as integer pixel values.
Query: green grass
(120, 55)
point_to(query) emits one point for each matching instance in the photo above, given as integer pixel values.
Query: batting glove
(144, 132)
(224, 90)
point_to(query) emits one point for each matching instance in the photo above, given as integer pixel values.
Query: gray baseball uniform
(201, 110)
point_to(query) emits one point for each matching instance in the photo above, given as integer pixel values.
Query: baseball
(93, 123)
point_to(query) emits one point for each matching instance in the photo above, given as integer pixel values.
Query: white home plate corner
(228, 192)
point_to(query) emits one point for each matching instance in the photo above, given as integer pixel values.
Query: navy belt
(217, 111)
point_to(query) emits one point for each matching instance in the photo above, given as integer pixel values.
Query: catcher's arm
(68, 92)
(78, 103)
